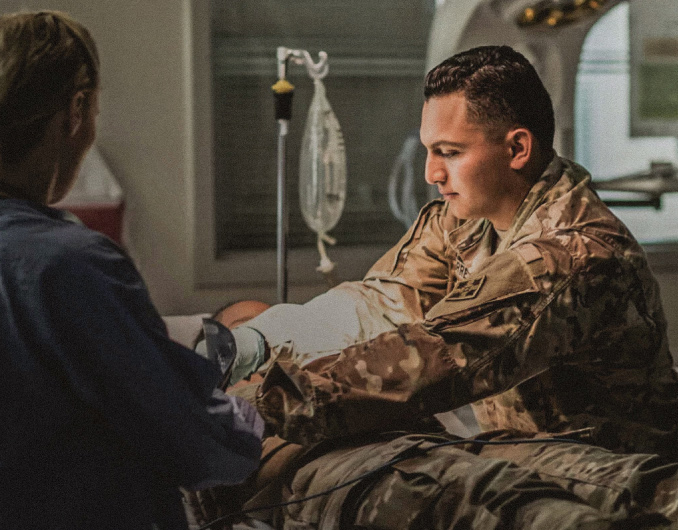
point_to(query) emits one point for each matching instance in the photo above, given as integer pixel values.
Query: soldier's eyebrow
(445, 143)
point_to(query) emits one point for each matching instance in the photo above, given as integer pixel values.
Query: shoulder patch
(466, 289)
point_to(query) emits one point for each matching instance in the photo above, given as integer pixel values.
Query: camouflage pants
(474, 486)
(553, 486)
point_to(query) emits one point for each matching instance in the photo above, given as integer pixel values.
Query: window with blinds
(376, 55)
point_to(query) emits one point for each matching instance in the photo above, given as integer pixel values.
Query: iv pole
(283, 92)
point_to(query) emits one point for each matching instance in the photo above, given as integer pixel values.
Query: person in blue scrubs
(103, 418)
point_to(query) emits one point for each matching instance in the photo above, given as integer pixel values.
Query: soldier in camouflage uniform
(519, 293)
(560, 328)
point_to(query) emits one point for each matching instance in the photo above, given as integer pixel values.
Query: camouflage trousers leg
(613, 483)
(422, 485)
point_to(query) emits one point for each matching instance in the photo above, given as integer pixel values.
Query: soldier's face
(472, 172)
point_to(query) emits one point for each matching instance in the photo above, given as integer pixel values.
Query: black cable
(387, 465)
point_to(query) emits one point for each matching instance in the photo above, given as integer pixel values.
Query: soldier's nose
(435, 172)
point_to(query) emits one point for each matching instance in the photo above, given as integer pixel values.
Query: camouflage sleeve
(545, 303)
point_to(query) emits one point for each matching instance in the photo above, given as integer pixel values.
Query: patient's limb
(240, 312)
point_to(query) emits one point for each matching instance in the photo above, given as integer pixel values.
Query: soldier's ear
(520, 143)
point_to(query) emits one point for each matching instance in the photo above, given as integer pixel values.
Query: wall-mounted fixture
(555, 13)
(644, 188)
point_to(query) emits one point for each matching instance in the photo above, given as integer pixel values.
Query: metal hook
(315, 70)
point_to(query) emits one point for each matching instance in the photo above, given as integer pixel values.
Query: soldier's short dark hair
(502, 90)
(46, 57)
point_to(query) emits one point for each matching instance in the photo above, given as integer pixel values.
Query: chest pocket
(501, 282)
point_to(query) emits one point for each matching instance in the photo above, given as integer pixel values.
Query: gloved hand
(219, 347)
(238, 352)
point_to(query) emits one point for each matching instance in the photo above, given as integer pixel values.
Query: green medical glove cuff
(250, 348)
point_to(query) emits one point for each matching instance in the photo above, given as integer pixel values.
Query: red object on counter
(101, 216)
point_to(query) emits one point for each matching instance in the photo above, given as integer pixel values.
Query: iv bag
(322, 167)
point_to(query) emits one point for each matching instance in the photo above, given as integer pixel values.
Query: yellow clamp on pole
(283, 91)
(282, 86)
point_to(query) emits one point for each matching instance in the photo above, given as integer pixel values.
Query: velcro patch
(533, 259)
(466, 289)
(461, 270)
(529, 252)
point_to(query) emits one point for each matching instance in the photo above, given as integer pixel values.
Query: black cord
(387, 465)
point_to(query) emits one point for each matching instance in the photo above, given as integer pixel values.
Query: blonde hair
(45, 59)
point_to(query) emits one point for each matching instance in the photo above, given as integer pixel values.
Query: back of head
(45, 59)
(502, 90)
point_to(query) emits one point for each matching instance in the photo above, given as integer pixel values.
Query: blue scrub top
(102, 416)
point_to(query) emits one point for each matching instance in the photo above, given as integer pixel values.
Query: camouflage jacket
(555, 326)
